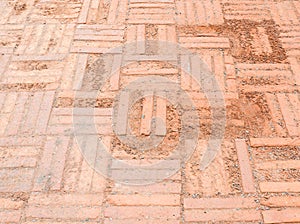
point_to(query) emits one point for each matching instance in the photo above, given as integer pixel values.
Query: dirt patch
(235, 125)
(122, 151)
(96, 69)
(12, 40)
(266, 154)
(27, 66)
(67, 102)
(19, 7)
(263, 154)
(151, 35)
(104, 103)
(198, 31)
(93, 103)
(278, 175)
(135, 118)
(263, 81)
(247, 117)
(193, 176)
(232, 167)
(151, 32)
(63, 102)
(24, 86)
(145, 66)
(255, 114)
(242, 35)
(20, 196)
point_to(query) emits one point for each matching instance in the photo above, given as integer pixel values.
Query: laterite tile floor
(55, 55)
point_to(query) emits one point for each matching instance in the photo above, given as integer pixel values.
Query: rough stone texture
(50, 49)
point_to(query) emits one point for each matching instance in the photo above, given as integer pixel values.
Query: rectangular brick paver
(290, 215)
(246, 171)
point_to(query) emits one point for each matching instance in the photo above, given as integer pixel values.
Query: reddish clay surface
(50, 49)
